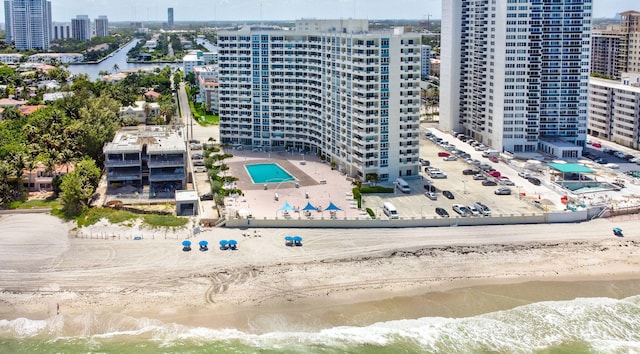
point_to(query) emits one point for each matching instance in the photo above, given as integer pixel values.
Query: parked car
(431, 195)
(461, 210)
(199, 169)
(469, 172)
(502, 191)
(474, 211)
(196, 156)
(450, 158)
(613, 166)
(601, 161)
(596, 145)
(494, 173)
(507, 182)
(448, 194)
(424, 162)
(442, 212)
(479, 177)
(437, 175)
(494, 159)
(484, 210)
(534, 181)
(489, 183)
(485, 167)
(443, 154)
(206, 196)
(524, 174)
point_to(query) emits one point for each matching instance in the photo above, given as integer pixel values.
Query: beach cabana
(204, 245)
(186, 245)
(287, 207)
(233, 245)
(297, 240)
(309, 207)
(224, 245)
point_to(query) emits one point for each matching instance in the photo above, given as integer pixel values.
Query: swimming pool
(268, 173)
(582, 187)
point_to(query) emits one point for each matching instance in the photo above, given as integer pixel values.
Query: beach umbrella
(332, 207)
(288, 238)
(233, 242)
(309, 207)
(203, 243)
(287, 207)
(297, 239)
(224, 243)
(186, 243)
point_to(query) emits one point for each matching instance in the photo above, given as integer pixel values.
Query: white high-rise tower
(514, 73)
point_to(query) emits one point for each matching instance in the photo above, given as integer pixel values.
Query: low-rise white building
(10, 58)
(141, 110)
(63, 58)
(197, 58)
(207, 80)
(614, 108)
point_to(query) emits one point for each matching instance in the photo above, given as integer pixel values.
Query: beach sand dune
(43, 266)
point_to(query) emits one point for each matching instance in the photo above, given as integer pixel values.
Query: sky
(242, 10)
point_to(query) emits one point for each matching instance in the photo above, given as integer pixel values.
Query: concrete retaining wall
(506, 219)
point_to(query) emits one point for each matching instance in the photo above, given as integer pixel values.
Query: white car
(431, 195)
(474, 211)
(612, 166)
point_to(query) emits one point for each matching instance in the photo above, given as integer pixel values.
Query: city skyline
(253, 10)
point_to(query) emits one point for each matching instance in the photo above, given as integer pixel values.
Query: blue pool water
(268, 173)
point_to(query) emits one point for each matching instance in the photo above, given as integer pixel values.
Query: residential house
(41, 178)
(141, 110)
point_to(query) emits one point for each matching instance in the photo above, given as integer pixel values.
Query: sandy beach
(333, 277)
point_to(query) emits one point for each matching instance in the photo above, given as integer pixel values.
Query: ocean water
(582, 325)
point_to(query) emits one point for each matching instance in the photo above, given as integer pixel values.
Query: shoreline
(333, 280)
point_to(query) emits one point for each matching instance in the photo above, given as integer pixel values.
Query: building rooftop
(158, 139)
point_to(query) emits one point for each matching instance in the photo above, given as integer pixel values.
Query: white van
(390, 210)
(402, 185)
(490, 153)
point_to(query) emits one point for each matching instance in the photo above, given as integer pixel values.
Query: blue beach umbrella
(224, 242)
(233, 242)
(288, 238)
(186, 243)
(297, 239)
(332, 207)
(203, 243)
(309, 207)
(287, 207)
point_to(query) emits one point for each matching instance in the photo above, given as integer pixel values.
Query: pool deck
(314, 178)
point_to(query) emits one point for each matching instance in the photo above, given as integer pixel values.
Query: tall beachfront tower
(81, 28)
(170, 17)
(514, 73)
(330, 88)
(28, 23)
(102, 26)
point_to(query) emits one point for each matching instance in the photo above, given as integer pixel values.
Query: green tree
(78, 186)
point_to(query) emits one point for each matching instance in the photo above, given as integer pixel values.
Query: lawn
(94, 215)
(35, 203)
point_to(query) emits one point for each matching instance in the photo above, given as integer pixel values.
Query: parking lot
(525, 198)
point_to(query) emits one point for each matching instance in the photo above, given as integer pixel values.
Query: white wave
(607, 325)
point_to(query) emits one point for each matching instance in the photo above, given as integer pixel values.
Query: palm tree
(116, 68)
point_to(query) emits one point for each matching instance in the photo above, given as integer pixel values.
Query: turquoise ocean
(581, 325)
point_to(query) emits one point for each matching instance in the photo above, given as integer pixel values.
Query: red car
(493, 159)
(494, 173)
(443, 154)
(596, 145)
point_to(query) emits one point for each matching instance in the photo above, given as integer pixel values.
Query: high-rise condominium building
(514, 73)
(330, 88)
(425, 61)
(616, 49)
(102, 26)
(170, 17)
(28, 23)
(61, 31)
(81, 28)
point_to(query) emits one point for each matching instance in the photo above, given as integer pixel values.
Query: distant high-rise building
(28, 23)
(515, 74)
(425, 61)
(170, 18)
(61, 31)
(102, 26)
(81, 28)
(614, 50)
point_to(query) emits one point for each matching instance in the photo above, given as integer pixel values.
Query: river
(119, 57)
